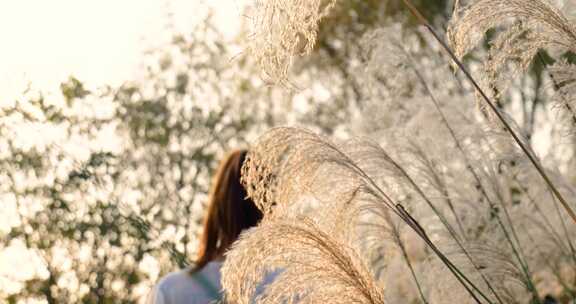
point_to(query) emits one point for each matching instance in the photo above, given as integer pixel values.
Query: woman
(229, 213)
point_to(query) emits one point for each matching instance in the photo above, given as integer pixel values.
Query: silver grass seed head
(310, 266)
(290, 165)
(526, 27)
(283, 30)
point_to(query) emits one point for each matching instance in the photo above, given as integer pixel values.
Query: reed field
(450, 204)
(402, 151)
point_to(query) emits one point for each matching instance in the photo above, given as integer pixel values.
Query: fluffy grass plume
(482, 212)
(525, 29)
(282, 30)
(307, 265)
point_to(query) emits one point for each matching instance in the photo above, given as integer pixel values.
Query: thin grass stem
(464, 281)
(400, 243)
(512, 238)
(496, 111)
(445, 222)
(468, 165)
(399, 210)
(547, 226)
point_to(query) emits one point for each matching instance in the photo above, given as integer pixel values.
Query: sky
(99, 42)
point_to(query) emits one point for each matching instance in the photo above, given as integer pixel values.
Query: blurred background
(97, 192)
(113, 115)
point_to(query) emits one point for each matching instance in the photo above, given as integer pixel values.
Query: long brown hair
(229, 211)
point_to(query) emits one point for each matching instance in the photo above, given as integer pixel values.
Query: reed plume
(307, 265)
(283, 30)
(291, 172)
(290, 166)
(528, 27)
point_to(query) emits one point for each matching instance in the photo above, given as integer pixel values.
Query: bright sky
(100, 42)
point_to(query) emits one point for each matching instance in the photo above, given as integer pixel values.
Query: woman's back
(229, 213)
(183, 287)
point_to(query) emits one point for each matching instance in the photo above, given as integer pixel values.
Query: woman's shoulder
(175, 278)
(210, 272)
(183, 286)
(168, 287)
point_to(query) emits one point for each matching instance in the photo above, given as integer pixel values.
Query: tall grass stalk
(329, 152)
(547, 225)
(448, 227)
(565, 229)
(412, 272)
(439, 182)
(464, 280)
(459, 275)
(511, 237)
(468, 166)
(493, 107)
(397, 239)
(514, 242)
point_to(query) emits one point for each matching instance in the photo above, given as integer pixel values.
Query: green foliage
(73, 88)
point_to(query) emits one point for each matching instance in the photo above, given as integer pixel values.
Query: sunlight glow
(99, 42)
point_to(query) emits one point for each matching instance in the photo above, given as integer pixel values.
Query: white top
(181, 287)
